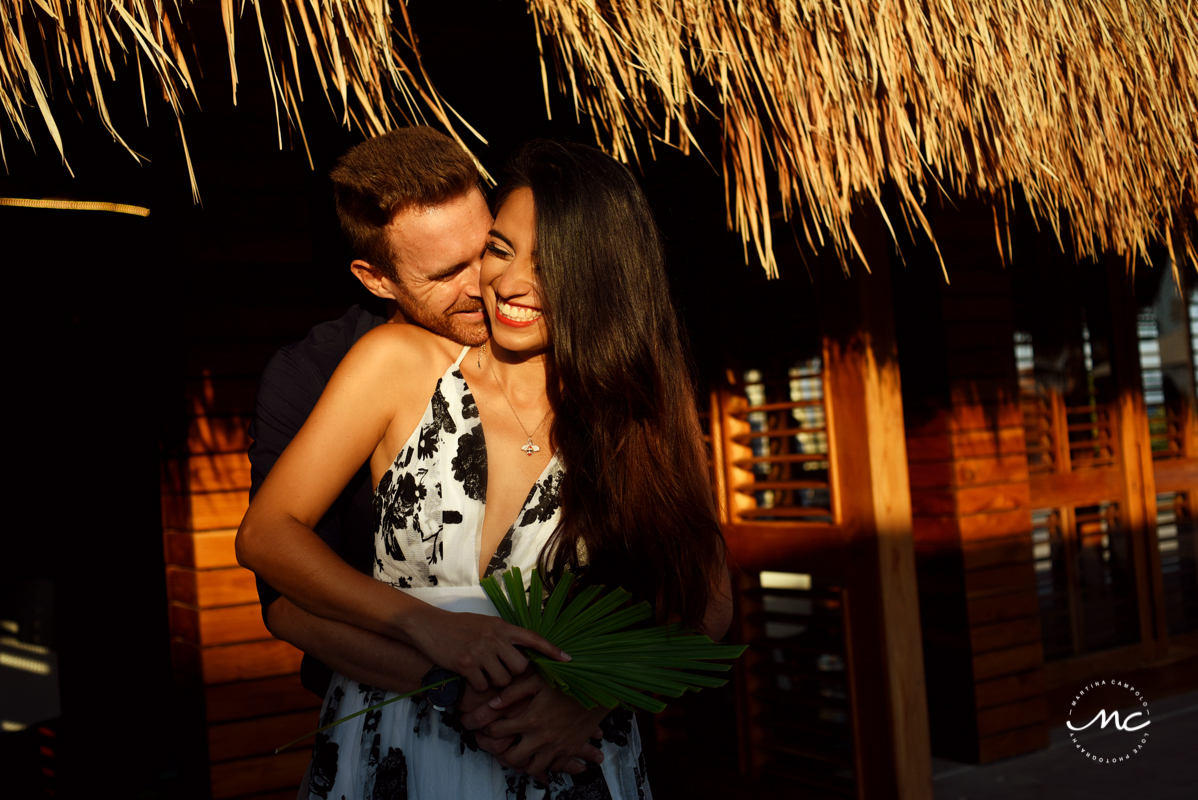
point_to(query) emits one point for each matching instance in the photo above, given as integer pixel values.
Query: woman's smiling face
(509, 280)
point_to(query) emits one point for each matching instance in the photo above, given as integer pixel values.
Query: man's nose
(472, 277)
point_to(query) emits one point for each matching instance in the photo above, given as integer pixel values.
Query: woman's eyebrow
(499, 235)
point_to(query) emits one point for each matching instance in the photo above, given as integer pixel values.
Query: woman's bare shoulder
(400, 349)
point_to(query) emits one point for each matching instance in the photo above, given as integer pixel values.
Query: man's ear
(375, 281)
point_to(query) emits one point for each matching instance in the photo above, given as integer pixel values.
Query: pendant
(530, 448)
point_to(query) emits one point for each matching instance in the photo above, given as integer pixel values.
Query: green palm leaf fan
(610, 664)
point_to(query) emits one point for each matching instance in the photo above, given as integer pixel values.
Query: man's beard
(449, 323)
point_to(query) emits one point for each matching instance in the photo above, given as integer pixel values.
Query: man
(411, 207)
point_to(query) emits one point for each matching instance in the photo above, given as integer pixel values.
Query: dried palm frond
(369, 69)
(1090, 106)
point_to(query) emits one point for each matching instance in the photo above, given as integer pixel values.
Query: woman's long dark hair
(637, 502)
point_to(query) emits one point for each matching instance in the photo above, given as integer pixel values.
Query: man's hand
(475, 700)
(482, 649)
(472, 698)
(537, 729)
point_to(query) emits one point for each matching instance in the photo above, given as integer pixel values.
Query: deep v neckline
(431, 503)
(520, 512)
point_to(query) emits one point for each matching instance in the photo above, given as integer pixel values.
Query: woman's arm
(361, 403)
(367, 413)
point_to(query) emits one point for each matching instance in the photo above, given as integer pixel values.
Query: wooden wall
(1034, 481)
(247, 682)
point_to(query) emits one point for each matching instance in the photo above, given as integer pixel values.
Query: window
(782, 470)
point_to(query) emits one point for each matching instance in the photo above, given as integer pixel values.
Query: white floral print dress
(430, 507)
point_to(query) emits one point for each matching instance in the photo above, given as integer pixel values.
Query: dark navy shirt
(287, 392)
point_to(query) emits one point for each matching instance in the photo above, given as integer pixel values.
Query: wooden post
(971, 498)
(882, 609)
(1135, 456)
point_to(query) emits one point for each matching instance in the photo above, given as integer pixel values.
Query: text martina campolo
(1091, 703)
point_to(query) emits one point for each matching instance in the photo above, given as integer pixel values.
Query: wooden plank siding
(200, 549)
(207, 588)
(264, 697)
(971, 508)
(216, 626)
(249, 682)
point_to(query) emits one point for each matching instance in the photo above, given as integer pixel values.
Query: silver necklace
(528, 447)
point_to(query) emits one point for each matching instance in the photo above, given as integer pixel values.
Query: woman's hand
(552, 728)
(481, 649)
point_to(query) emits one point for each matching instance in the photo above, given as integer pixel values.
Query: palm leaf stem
(336, 722)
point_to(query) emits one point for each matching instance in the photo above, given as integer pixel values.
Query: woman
(591, 462)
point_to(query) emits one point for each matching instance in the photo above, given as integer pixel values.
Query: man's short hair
(377, 179)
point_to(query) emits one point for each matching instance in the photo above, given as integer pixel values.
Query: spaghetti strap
(462, 355)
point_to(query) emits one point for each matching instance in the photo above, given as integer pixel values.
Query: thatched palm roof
(1090, 107)
(369, 72)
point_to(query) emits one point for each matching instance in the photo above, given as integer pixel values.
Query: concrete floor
(1167, 768)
